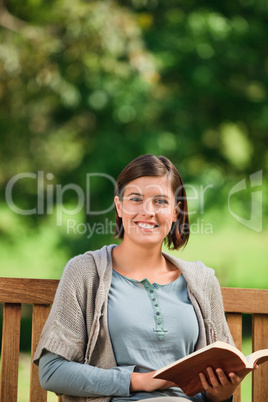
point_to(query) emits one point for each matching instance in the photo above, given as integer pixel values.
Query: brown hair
(151, 165)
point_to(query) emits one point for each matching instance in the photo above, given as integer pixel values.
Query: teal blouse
(150, 325)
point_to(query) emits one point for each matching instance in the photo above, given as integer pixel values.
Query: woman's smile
(147, 225)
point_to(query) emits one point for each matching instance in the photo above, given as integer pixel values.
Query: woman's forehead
(150, 184)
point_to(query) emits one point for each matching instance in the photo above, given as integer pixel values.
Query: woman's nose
(148, 208)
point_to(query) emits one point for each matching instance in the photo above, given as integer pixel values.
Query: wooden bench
(40, 294)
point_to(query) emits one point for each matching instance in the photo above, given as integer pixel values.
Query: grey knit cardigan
(77, 327)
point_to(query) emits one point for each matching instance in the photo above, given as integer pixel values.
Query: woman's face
(147, 209)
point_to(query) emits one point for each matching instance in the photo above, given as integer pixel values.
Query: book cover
(185, 372)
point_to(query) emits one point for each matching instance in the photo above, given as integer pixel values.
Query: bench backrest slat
(248, 301)
(10, 352)
(27, 291)
(39, 317)
(260, 341)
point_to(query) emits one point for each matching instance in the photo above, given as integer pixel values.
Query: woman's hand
(146, 382)
(221, 387)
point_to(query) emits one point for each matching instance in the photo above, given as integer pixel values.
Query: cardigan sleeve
(65, 330)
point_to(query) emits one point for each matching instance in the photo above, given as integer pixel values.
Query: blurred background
(86, 86)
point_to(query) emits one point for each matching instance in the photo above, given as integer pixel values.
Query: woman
(122, 312)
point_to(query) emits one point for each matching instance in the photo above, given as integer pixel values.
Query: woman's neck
(138, 262)
(137, 258)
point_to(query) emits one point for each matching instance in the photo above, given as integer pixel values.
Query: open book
(185, 372)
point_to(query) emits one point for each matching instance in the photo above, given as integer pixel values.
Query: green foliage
(86, 86)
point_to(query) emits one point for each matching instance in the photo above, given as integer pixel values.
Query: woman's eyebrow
(139, 194)
(155, 196)
(162, 195)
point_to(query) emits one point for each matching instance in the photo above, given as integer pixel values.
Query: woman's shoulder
(196, 273)
(189, 266)
(91, 262)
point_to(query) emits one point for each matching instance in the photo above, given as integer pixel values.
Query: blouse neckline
(145, 280)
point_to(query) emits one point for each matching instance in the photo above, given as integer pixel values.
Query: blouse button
(156, 305)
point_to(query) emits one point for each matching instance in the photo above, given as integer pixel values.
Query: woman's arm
(146, 382)
(61, 376)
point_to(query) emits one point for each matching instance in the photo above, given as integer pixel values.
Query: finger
(223, 379)
(204, 382)
(235, 379)
(213, 378)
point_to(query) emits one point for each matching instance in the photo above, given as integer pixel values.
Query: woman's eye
(135, 199)
(161, 202)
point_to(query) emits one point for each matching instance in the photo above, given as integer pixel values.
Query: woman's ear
(177, 211)
(118, 206)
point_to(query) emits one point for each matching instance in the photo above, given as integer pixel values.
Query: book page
(258, 357)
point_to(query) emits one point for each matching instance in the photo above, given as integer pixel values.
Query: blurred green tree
(87, 86)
